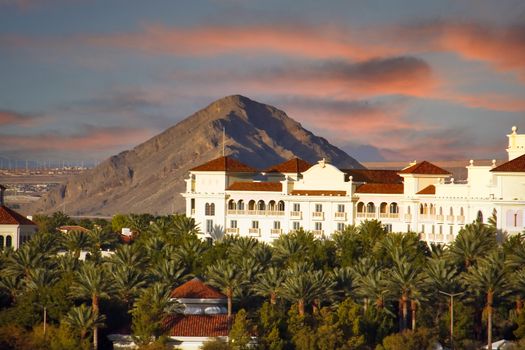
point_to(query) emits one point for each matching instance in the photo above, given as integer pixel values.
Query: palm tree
(373, 286)
(91, 283)
(488, 279)
(184, 225)
(189, 253)
(75, 242)
(344, 281)
(473, 242)
(287, 249)
(129, 255)
(100, 237)
(268, 284)
(127, 282)
(406, 279)
(11, 285)
(227, 278)
(23, 260)
(83, 319)
(168, 272)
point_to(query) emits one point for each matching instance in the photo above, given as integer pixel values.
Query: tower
(516, 144)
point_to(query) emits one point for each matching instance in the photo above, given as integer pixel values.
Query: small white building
(324, 199)
(15, 228)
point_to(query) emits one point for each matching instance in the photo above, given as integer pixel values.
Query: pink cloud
(14, 118)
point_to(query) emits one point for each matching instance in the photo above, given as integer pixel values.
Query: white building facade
(422, 197)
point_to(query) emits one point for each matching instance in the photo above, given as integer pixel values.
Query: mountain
(150, 177)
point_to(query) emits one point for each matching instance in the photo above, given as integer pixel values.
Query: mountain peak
(150, 177)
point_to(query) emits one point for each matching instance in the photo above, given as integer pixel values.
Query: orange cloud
(293, 40)
(493, 102)
(14, 118)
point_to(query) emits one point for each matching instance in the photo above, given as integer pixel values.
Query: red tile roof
(198, 325)
(196, 289)
(430, 189)
(317, 193)
(424, 168)
(516, 165)
(387, 188)
(373, 176)
(256, 186)
(295, 165)
(11, 217)
(225, 164)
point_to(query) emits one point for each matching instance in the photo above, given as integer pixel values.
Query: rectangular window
(340, 226)
(276, 225)
(388, 227)
(255, 224)
(440, 229)
(423, 228)
(433, 229)
(192, 203)
(451, 229)
(233, 223)
(209, 226)
(340, 208)
(296, 207)
(318, 226)
(318, 208)
(408, 228)
(296, 225)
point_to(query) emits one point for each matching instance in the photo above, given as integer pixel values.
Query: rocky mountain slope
(149, 178)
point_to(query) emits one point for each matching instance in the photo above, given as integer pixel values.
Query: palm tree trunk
(273, 298)
(404, 302)
(490, 299)
(94, 304)
(413, 306)
(519, 305)
(229, 294)
(300, 307)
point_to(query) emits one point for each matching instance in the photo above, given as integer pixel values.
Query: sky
(396, 80)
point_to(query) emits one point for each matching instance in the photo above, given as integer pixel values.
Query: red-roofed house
(204, 317)
(15, 228)
(324, 199)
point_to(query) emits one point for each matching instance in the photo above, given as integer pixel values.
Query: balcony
(450, 219)
(276, 231)
(427, 217)
(234, 212)
(255, 212)
(318, 215)
(318, 232)
(408, 217)
(296, 215)
(389, 215)
(232, 231)
(460, 219)
(254, 232)
(366, 215)
(193, 211)
(440, 218)
(450, 238)
(439, 237)
(340, 216)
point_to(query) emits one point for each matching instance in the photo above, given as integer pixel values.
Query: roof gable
(430, 189)
(373, 176)
(11, 217)
(295, 165)
(225, 164)
(424, 168)
(516, 165)
(196, 289)
(387, 188)
(256, 186)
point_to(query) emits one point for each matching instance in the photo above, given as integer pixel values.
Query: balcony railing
(276, 231)
(389, 215)
(318, 232)
(450, 218)
(296, 214)
(232, 230)
(460, 219)
(340, 216)
(450, 238)
(255, 232)
(440, 218)
(255, 212)
(318, 215)
(408, 217)
(439, 237)
(427, 217)
(366, 215)
(193, 211)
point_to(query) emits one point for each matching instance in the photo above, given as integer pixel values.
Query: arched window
(461, 212)
(360, 207)
(432, 209)
(370, 208)
(451, 211)
(479, 217)
(8, 241)
(251, 205)
(382, 207)
(440, 211)
(271, 205)
(421, 209)
(394, 208)
(1, 241)
(261, 205)
(408, 212)
(209, 209)
(240, 204)
(280, 206)
(425, 209)
(232, 205)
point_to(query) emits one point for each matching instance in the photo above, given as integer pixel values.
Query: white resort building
(323, 199)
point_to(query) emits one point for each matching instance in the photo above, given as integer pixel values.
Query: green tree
(240, 333)
(422, 339)
(269, 284)
(473, 242)
(84, 320)
(225, 276)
